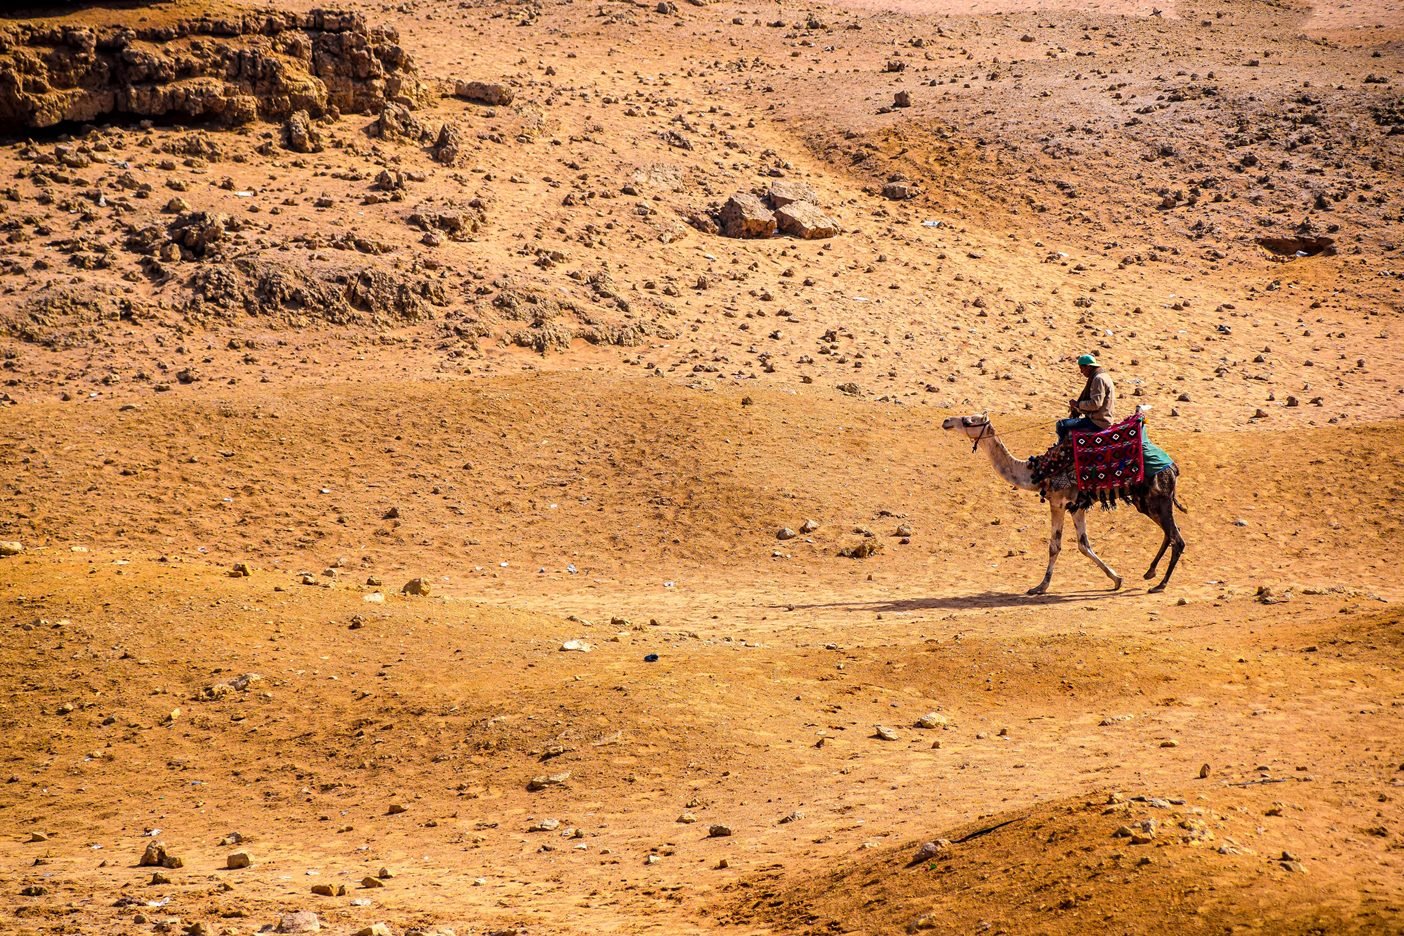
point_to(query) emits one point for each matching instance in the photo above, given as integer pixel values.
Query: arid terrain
(422, 513)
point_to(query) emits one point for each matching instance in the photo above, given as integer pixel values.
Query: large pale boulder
(745, 215)
(786, 191)
(804, 219)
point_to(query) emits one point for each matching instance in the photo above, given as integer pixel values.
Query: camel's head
(973, 426)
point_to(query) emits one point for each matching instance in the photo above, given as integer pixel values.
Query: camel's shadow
(987, 599)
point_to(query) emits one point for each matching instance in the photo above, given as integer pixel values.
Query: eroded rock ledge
(227, 70)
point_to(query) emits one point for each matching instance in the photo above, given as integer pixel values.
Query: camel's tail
(1177, 503)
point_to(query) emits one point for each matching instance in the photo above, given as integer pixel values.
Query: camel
(1156, 499)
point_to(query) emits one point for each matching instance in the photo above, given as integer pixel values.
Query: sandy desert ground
(532, 375)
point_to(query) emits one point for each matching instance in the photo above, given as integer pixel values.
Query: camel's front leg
(1084, 546)
(1056, 508)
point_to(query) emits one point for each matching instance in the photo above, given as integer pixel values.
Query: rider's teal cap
(1086, 360)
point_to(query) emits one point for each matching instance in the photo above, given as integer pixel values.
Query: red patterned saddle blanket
(1110, 460)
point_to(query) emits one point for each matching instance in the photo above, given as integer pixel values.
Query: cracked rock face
(226, 70)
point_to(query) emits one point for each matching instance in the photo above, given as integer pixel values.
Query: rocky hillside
(225, 69)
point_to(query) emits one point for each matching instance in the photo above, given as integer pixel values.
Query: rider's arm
(1097, 398)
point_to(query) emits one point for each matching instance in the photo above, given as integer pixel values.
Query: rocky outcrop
(297, 294)
(227, 70)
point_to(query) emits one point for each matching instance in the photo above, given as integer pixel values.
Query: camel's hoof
(1116, 584)
(1149, 575)
(1037, 590)
(1156, 590)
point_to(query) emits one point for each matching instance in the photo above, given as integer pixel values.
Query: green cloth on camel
(1155, 457)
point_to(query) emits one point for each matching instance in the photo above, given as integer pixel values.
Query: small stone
(415, 586)
(785, 533)
(544, 825)
(902, 99)
(300, 135)
(491, 93)
(930, 850)
(1204, 772)
(10, 548)
(900, 191)
(687, 818)
(1169, 742)
(718, 831)
(396, 808)
(932, 720)
(323, 890)
(239, 859)
(299, 921)
(375, 929)
(809, 526)
(159, 878)
(38, 837)
(885, 733)
(537, 784)
(156, 856)
(369, 882)
(241, 570)
(723, 864)
(578, 646)
(1143, 832)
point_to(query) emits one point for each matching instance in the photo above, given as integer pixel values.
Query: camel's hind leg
(1057, 506)
(1165, 544)
(1164, 515)
(1085, 547)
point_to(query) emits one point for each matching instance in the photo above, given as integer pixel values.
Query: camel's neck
(1011, 469)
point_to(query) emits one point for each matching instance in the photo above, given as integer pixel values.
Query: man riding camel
(1096, 407)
